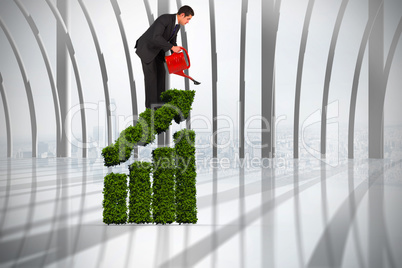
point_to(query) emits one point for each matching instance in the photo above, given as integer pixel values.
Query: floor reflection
(310, 215)
(267, 217)
(380, 250)
(352, 209)
(297, 215)
(242, 222)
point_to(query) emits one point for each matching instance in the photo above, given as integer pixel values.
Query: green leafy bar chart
(160, 192)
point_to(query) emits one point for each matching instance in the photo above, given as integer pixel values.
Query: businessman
(151, 47)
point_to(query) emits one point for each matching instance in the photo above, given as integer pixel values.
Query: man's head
(184, 15)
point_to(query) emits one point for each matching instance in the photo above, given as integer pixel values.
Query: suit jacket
(157, 38)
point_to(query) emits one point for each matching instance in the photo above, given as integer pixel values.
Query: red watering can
(177, 63)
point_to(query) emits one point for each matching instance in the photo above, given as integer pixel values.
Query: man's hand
(176, 49)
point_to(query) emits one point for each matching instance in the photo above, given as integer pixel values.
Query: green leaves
(186, 200)
(172, 196)
(163, 206)
(140, 193)
(177, 107)
(115, 198)
(179, 101)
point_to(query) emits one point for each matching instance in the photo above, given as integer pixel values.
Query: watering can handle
(188, 58)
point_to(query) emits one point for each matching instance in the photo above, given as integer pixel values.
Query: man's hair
(186, 10)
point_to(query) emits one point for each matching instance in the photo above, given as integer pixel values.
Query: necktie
(176, 27)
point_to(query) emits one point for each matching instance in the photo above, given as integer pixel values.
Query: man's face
(183, 19)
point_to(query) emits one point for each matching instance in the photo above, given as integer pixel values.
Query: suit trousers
(154, 78)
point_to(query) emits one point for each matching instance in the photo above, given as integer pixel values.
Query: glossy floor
(291, 214)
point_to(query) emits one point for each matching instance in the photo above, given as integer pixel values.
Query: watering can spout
(177, 63)
(181, 73)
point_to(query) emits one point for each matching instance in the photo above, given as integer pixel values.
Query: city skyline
(290, 31)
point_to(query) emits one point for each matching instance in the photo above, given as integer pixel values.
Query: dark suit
(151, 48)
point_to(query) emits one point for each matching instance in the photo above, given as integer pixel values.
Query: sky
(227, 18)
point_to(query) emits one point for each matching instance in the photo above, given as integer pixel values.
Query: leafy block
(115, 198)
(140, 192)
(185, 191)
(163, 208)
